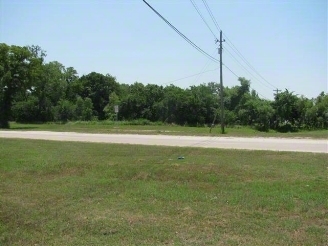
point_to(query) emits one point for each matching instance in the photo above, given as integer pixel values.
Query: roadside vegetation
(33, 91)
(154, 128)
(106, 194)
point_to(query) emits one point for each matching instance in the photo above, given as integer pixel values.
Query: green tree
(98, 87)
(286, 113)
(171, 108)
(235, 96)
(27, 110)
(316, 115)
(87, 113)
(49, 87)
(153, 94)
(256, 112)
(322, 112)
(64, 111)
(303, 105)
(133, 104)
(18, 67)
(109, 110)
(73, 87)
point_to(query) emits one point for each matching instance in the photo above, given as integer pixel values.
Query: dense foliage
(34, 91)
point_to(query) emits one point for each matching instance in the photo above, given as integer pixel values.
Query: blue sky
(285, 41)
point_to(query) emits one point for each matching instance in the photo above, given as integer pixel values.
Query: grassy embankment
(103, 194)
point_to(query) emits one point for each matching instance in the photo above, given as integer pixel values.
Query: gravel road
(274, 144)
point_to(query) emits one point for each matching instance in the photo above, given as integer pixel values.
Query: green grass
(122, 127)
(105, 194)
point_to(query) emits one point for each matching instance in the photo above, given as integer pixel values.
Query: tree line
(32, 90)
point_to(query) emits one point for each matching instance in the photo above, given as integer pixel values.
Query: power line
(231, 70)
(181, 34)
(212, 16)
(239, 77)
(198, 48)
(199, 76)
(233, 46)
(259, 93)
(190, 76)
(245, 68)
(211, 70)
(202, 72)
(201, 16)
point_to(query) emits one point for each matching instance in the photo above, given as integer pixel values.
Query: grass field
(110, 127)
(103, 194)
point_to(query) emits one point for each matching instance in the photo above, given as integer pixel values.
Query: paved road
(275, 144)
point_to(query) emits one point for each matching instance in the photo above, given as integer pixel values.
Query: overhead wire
(202, 71)
(197, 47)
(192, 43)
(219, 29)
(201, 16)
(230, 70)
(239, 77)
(190, 76)
(211, 15)
(209, 28)
(200, 75)
(231, 55)
(233, 47)
(189, 41)
(181, 34)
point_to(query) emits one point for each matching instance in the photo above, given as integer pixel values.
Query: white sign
(116, 109)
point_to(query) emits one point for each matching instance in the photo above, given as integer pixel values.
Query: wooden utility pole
(221, 84)
(277, 91)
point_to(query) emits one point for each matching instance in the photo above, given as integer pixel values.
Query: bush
(287, 127)
(64, 111)
(26, 111)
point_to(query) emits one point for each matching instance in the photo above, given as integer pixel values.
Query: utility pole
(221, 84)
(276, 117)
(277, 91)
